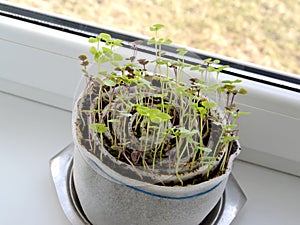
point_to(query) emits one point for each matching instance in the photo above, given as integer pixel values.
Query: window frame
(238, 68)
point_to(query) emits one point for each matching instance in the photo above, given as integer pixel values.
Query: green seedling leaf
(208, 105)
(204, 149)
(156, 120)
(185, 133)
(98, 127)
(107, 50)
(228, 139)
(109, 83)
(156, 27)
(157, 116)
(93, 50)
(181, 51)
(237, 81)
(153, 112)
(167, 41)
(164, 116)
(142, 110)
(211, 69)
(238, 114)
(208, 60)
(202, 111)
(160, 95)
(197, 67)
(226, 81)
(231, 81)
(221, 68)
(229, 126)
(151, 41)
(93, 39)
(103, 73)
(160, 41)
(242, 91)
(229, 87)
(160, 61)
(104, 36)
(243, 113)
(117, 42)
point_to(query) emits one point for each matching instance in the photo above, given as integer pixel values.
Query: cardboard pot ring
(109, 198)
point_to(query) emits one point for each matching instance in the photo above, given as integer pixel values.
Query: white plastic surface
(31, 133)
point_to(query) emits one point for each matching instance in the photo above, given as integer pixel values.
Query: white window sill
(31, 133)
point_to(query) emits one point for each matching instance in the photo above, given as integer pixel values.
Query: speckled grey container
(108, 198)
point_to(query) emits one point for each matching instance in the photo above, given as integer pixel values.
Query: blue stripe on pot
(153, 194)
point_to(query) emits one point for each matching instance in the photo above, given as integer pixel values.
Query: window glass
(264, 32)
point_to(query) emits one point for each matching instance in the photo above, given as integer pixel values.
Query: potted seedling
(154, 138)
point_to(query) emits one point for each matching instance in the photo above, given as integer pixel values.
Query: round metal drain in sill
(61, 168)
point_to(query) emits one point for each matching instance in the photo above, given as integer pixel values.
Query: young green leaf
(104, 36)
(117, 42)
(181, 51)
(228, 139)
(242, 91)
(204, 149)
(197, 67)
(93, 50)
(98, 127)
(93, 39)
(208, 60)
(109, 83)
(151, 41)
(142, 110)
(107, 50)
(208, 105)
(156, 27)
(167, 41)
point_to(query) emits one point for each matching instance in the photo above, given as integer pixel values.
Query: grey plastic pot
(109, 198)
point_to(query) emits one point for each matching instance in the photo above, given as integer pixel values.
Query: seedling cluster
(152, 119)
